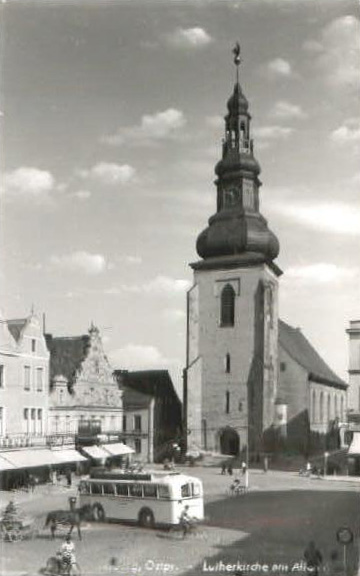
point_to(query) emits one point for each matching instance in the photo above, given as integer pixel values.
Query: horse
(69, 518)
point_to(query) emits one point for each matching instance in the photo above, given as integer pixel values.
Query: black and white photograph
(179, 287)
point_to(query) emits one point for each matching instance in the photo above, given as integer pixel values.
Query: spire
(238, 228)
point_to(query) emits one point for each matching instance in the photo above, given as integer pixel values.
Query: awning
(118, 449)
(68, 455)
(30, 458)
(5, 464)
(96, 452)
(355, 444)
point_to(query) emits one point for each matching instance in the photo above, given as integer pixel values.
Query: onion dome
(238, 228)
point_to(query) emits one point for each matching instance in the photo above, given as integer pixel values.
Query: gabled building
(152, 412)
(83, 391)
(24, 373)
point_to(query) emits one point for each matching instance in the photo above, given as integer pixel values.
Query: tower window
(227, 402)
(227, 306)
(227, 364)
(282, 366)
(33, 345)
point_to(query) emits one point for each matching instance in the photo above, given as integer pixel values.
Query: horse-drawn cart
(14, 526)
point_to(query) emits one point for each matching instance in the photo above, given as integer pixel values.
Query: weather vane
(237, 59)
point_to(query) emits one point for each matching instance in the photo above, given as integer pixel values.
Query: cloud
(81, 261)
(272, 132)
(110, 173)
(312, 46)
(214, 121)
(320, 273)
(160, 285)
(336, 218)
(340, 57)
(82, 194)
(158, 126)
(189, 38)
(28, 183)
(348, 133)
(286, 110)
(279, 68)
(137, 357)
(174, 315)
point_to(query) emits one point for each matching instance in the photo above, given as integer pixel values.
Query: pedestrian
(223, 468)
(32, 482)
(68, 477)
(308, 469)
(313, 559)
(243, 467)
(230, 469)
(266, 464)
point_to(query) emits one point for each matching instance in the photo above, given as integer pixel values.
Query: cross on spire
(237, 59)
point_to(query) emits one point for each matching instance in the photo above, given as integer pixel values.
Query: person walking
(243, 467)
(266, 464)
(313, 558)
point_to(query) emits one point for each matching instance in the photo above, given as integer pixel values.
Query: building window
(227, 402)
(2, 374)
(240, 406)
(313, 407)
(282, 366)
(39, 379)
(321, 408)
(137, 423)
(137, 445)
(329, 408)
(227, 364)
(124, 424)
(33, 413)
(342, 412)
(26, 413)
(204, 433)
(227, 306)
(2, 430)
(27, 377)
(33, 345)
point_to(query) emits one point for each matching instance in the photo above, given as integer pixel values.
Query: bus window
(136, 490)
(185, 491)
(96, 488)
(196, 490)
(122, 489)
(149, 490)
(109, 489)
(163, 491)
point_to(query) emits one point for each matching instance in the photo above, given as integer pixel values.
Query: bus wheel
(98, 512)
(146, 518)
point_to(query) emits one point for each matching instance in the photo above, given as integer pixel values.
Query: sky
(111, 125)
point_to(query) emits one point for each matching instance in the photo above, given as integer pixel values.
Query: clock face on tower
(230, 197)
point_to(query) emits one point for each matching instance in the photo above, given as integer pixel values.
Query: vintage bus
(151, 498)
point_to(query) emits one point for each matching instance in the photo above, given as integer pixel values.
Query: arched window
(321, 408)
(227, 363)
(227, 306)
(227, 402)
(313, 408)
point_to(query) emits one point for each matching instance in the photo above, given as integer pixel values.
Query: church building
(249, 377)
(232, 340)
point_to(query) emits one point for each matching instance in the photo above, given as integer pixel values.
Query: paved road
(270, 525)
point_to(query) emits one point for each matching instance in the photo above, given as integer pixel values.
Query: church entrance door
(229, 442)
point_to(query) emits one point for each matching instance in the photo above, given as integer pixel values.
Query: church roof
(16, 327)
(299, 348)
(66, 355)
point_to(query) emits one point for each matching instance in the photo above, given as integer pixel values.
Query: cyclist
(67, 553)
(186, 520)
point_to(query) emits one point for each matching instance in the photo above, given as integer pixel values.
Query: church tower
(232, 328)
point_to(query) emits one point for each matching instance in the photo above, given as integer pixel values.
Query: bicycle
(60, 566)
(236, 489)
(185, 529)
